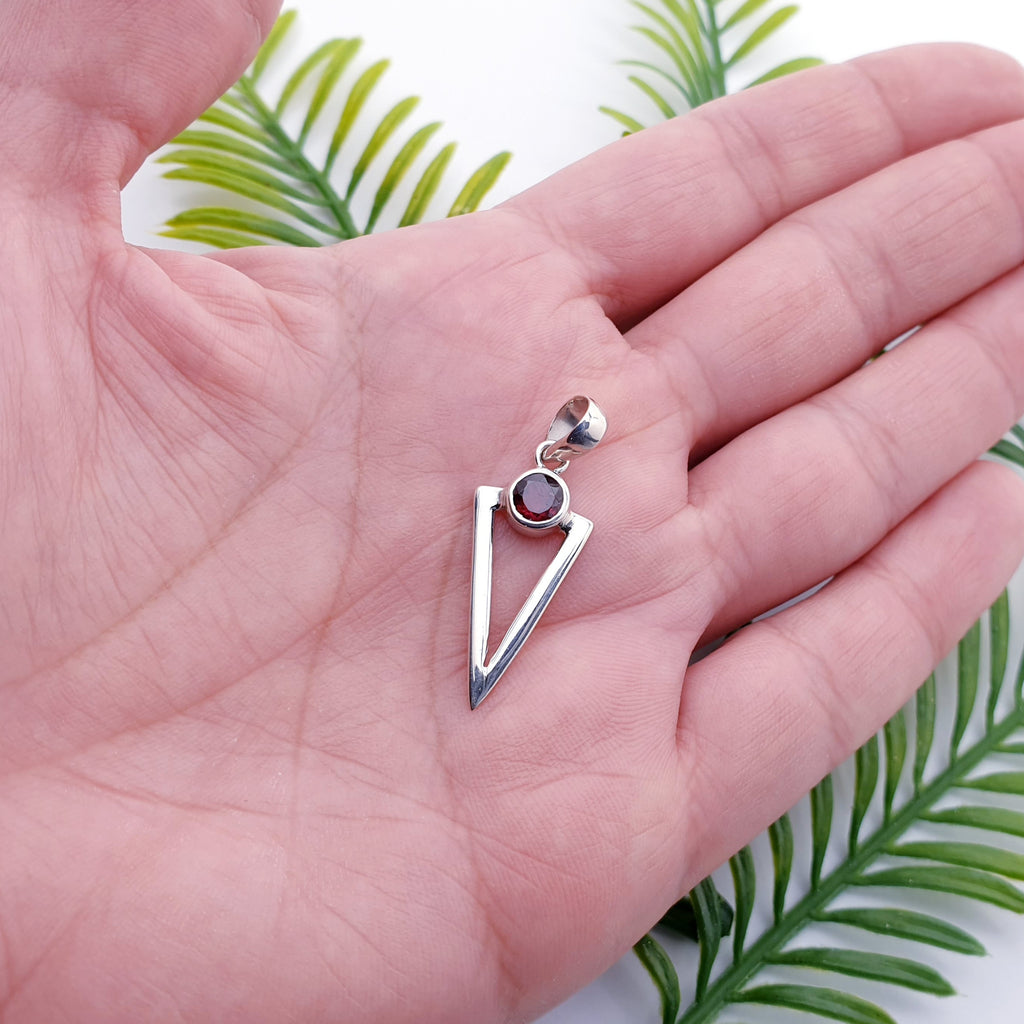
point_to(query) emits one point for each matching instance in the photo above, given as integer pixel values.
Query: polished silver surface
(484, 674)
(577, 428)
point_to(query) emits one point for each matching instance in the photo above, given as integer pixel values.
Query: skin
(239, 778)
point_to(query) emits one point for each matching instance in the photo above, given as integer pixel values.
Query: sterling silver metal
(578, 428)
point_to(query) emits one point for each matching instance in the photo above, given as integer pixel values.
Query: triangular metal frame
(483, 675)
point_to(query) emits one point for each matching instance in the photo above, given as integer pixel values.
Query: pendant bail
(577, 428)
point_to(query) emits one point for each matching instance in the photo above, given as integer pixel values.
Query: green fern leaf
(865, 784)
(479, 184)
(427, 186)
(780, 836)
(357, 98)
(924, 713)
(688, 33)
(744, 879)
(743, 12)
(906, 924)
(895, 733)
(389, 124)
(825, 1002)
(822, 807)
(709, 930)
(242, 145)
(659, 966)
(341, 55)
(272, 43)
(768, 27)
(892, 970)
(789, 67)
(222, 217)
(399, 169)
(991, 819)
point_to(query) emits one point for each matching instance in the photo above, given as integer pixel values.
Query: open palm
(239, 777)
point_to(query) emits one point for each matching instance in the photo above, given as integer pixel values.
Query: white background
(528, 77)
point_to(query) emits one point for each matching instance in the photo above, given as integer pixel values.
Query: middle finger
(811, 299)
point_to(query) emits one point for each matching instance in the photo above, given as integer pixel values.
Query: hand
(239, 778)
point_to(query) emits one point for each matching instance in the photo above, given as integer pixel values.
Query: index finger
(649, 214)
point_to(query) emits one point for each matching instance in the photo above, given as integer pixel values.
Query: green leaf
(224, 163)
(427, 186)
(780, 836)
(663, 974)
(1009, 451)
(789, 67)
(975, 885)
(709, 930)
(771, 24)
(968, 855)
(628, 122)
(480, 182)
(895, 732)
(687, 93)
(222, 142)
(357, 97)
(865, 784)
(681, 918)
(224, 119)
(998, 782)
(742, 12)
(270, 45)
(744, 879)
(906, 924)
(389, 124)
(993, 819)
(655, 97)
(825, 1002)
(217, 237)
(302, 72)
(238, 220)
(999, 632)
(968, 664)
(340, 58)
(892, 970)
(924, 714)
(683, 62)
(821, 826)
(399, 168)
(245, 187)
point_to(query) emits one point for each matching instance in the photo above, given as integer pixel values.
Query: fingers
(809, 301)
(799, 497)
(784, 701)
(648, 215)
(97, 85)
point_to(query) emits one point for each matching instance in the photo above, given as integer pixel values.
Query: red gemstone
(538, 498)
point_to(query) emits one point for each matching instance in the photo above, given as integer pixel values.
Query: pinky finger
(771, 712)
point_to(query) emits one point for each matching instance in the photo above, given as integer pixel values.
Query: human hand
(239, 779)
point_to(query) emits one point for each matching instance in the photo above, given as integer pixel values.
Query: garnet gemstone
(537, 498)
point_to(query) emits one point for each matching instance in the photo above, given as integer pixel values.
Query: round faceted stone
(538, 497)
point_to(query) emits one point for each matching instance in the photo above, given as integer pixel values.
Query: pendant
(535, 502)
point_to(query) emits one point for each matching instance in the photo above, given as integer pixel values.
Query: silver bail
(577, 428)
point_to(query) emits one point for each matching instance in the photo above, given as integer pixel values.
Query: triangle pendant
(483, 674)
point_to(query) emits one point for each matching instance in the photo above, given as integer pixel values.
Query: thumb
(97, 85)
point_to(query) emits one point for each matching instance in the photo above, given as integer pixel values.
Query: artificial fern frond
(244, 145)
(961, 856)
(699, 43)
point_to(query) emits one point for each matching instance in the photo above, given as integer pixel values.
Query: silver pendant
(535, 502)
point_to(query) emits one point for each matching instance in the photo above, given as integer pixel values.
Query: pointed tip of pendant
(478, 689)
